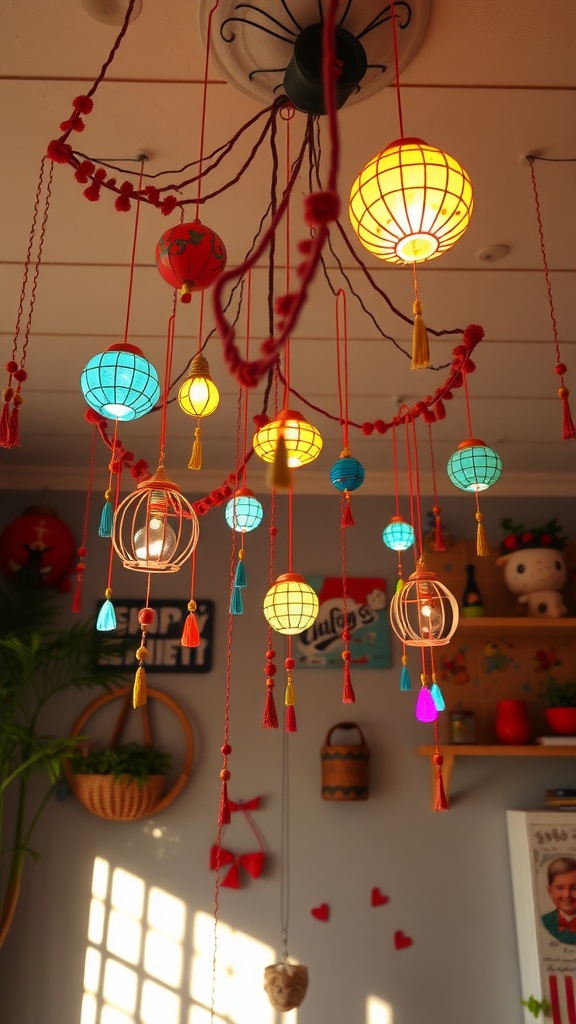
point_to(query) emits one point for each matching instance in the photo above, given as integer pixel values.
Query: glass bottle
(472, 604)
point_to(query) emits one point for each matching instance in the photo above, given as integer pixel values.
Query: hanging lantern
(155, 528)
(347, 474)
(475, 466)
(423, 613)
(40, 546)
(411, 203)
(303, 442)
(120, 382)
(291, 605)
(190, 257)
(243, 512)
(398, 535)
(199, 395)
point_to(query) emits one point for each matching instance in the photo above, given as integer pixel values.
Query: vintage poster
(165, 652)
(543, 863)
(321, 646)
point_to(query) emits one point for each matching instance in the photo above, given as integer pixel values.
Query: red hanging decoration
(190, 257)
(190, 632)
(289, 695)
(39, 542)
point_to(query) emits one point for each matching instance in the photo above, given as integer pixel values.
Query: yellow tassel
(279, 475)
(139, 692)
(420, 349)
(482, 549)
(289, 695)
(196, 457)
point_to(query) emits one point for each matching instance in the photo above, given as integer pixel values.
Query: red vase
(512, 723)
(561, 720)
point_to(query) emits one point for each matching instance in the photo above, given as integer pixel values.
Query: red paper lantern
(40, 541)
(190, 257)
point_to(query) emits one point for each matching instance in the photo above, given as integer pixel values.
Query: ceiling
(489, 83)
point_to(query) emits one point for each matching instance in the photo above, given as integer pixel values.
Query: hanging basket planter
(124, 797)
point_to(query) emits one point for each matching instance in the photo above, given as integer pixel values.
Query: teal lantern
(398, 535)
(474, 466)
(347, 474)
(243, 512)
(120, 382)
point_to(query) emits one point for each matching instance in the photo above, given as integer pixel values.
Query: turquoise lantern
(398, 535)
(347, 474)
(243, 512)
(120, 383)
(474, 466)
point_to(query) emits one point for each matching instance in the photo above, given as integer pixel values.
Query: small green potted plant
(122, 782)
(559, 700)
(537, 1006)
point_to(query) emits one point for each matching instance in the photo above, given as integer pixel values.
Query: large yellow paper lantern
(291, 605)
(303, 442)
(411, 202)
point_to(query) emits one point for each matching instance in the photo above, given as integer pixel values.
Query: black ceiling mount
(303, 81)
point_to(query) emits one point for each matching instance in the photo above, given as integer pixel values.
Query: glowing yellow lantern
(411, 202)
(199, 395)
(303, 442)
(291, 605)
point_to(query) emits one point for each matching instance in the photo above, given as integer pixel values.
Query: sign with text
(321, 645)
(165, 652)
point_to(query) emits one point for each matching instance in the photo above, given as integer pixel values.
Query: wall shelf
(450, 751)
(486, 625)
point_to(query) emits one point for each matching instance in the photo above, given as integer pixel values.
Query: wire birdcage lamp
(424, 613)
(155, 528)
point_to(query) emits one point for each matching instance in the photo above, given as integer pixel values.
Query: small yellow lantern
(303, 442)
(198, 395)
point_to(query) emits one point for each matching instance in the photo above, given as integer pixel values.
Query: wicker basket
(345, 767)
(119, 798)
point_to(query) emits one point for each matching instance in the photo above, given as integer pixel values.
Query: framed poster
(542, 847)
(321, 646)
(165, 652)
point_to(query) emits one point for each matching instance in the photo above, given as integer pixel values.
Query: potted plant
(122, 782)
(559, 700)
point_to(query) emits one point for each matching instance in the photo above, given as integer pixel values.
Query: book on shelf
(557, 741)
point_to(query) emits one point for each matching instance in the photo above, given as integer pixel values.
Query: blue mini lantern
(120, 382)
(347, 474)
(474, 466)
(398, 535)
(243, 512)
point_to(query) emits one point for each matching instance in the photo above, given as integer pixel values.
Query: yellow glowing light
(303, 441)
(291, 605)
(199, 395)
(410, 203)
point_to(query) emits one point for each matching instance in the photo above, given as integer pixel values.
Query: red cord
(204, 105)
(396, 68)
(133, 257)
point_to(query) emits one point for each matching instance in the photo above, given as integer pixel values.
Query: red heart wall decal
(402, 941)
(322, 913)
(378, 898)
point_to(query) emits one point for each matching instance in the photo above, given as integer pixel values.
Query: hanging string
(226, 749)
(143, 160)
(270, 716)
(418, 520)
(285, 848)
(396, 68)
(167, 373)
(204, 105)
(82, 550)
(568, 426)
(482, 549)
(411, 499)
(342, 338)
(107, 615)
(438, 542)
(145, 618)
(420, 346)
(191, 632)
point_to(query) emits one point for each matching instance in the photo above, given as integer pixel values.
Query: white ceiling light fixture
(253, 45)
(111, 12)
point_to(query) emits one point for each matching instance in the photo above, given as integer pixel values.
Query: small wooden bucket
(345, 767)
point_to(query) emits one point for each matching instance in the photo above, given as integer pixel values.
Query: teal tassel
(240, 574)
(236, 603)
(405, 683)
(106, 617)
(436, 694)
(105, 528)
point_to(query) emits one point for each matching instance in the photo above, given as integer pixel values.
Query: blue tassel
(405, 683)
(436, 694)
(105, 528)
(240, 574)
(106, 617)
(236, 603)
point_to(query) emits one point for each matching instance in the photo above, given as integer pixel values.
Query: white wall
(447, 875)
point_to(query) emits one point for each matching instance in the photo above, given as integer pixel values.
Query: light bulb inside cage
(398, 535)
(291, 605)
(474, 466)
(155, 528)
(198, 395)
(303, 441)
(347, 474)
(411, 202)
(243, 512)
(423, 613)
(120, 382)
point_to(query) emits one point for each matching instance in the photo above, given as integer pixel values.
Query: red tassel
(439, 542)
(290, 718)
(231, 879)
(5, 425)
(77, 599)
(190, 632)
(441, 802)
(347, 517)
(224, 809)
(270, 717)
(568, 427)
(14, 435)
(348, 695)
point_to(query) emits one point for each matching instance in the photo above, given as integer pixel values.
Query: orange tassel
(190, 633)
(420, 348)
(224, 817)
(270, 717)
(347, 518)
(139, 696)
(568, 427)
(441, 802)
(482, 549)
(279, 475)
(348, 695)
(196, 456)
